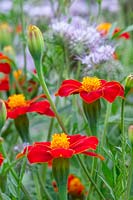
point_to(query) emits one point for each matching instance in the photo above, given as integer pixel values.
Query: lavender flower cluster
(84, 41)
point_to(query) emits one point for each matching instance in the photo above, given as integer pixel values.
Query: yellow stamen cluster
(75, 187)
(16, 100)
(60, 141)
(90, 84)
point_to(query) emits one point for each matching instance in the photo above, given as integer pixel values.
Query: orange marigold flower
(61, 146)
(1, 159)
(17, 105)
(104, 28)
(91, 89)
(75, 186)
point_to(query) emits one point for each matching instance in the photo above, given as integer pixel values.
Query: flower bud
(130, 134)
(35, 42)
(3, 114)
(129, 84)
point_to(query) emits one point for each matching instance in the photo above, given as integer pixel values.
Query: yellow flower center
(60, 141)
(75, 187)
(90, 84)
(16, 100)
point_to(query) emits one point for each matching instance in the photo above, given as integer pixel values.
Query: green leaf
(108, 174)
(4, 196)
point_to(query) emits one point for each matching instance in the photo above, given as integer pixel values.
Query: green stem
(90, 179)
(108, 110)
(123, 141)
(44, 86)
(62, 192)
(130, 175)
(44, 189)
(27, 196)
(36, 182)
(24, 39)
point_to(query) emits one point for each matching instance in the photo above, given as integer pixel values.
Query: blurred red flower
(104, 28)
(91, 89)
(1, 159)
(5, 64)
(17, 105)
(4, 83)
(62, 145)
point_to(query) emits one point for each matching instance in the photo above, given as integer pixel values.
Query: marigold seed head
(90, 84)
(60, 141)
(16, 100)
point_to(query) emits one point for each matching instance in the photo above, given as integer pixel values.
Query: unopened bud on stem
(35, 42)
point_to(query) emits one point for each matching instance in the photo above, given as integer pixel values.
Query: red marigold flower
(1, 159)
(75, 186)
(62, 145)
(17, 105)
(104, 28)
(5, 64)
(91, 89)
(4, 84)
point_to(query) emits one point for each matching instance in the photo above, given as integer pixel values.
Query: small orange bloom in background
(75, 186)
(19, 29)
(61, 146)
(17, 105)
(91, 89)
(104, 28)
(1, 159)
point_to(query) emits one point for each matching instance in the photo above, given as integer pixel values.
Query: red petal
(88, 153)
(92, 96)
(44, 145)
(68, 87)
(84, 143)
(111, 90)
(41, 107)
(4, 84)
(38, 154)
(71, 82)
(65, 153)
(16, 112)
(1, 159)
(5, 68)
(75, 138)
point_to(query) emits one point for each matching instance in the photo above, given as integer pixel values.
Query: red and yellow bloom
(91, 89)
(1, 159)
(5, 64)
(17, 105)
(104, 28)
(61, 146)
